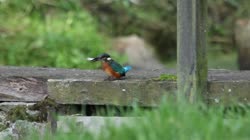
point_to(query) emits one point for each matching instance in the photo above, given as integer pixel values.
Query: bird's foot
(109, 79)
(121, 78)
(112, 78)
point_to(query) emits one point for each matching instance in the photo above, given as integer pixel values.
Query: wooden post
(52, 119)
(191, 49)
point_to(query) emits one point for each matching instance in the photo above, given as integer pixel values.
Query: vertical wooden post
(191, 49)
(52, 119)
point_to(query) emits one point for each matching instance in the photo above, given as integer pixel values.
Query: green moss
(164, 77)
(17, 113)
(20, 112)
(42, 107)
(44, 104)
(2, 126)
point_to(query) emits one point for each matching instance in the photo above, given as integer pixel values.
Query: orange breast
(106, 67)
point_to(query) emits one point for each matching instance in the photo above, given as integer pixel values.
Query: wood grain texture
(22, 89)
(72, 86)
(191, 49)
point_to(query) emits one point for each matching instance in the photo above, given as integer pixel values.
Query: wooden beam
(72, 86)
(191, 49)
(98, 92)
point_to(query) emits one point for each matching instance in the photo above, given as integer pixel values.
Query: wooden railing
(72, 86)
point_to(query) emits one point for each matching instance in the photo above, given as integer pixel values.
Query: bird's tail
(127, 68)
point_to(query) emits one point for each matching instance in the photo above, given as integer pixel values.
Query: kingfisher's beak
(93, 59)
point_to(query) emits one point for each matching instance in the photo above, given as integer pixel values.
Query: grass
(170, 121)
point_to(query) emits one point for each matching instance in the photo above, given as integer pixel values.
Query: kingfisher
(111, 67)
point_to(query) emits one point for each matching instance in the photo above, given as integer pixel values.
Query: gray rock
(21, 129)
(93, 124)
(140, 54)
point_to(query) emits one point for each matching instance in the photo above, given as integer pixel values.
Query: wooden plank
(228, 92)
(89, 87)
(121, 92)
(30, 84)
(22, 89)
(191, 49)
(60, 73)
(79, 91)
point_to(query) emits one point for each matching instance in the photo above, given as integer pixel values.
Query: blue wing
(117, 67)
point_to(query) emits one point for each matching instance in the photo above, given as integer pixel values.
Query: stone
(140, 54)
(22, 128)
(92, 124)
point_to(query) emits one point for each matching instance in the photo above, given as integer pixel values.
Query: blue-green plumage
(117, 67)
(110, 66)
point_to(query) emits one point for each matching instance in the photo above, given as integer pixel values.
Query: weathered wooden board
(22, 89)
(30, 84)
(228, 92)
(71, 86)
(59, 73)
(81, 91)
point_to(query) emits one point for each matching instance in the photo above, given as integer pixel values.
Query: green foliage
(170, 121)
(48, 33)
(58, 33)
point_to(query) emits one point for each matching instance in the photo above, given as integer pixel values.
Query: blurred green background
(59, 33)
